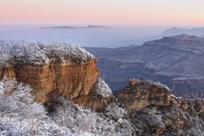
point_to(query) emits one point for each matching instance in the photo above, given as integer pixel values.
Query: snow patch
(1, 88)
(102, 89)
(21, 115)
(38, 53)
(116, 112)
(160, 85)
(85, 120)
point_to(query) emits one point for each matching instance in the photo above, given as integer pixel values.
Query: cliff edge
(154, 110)
(69, 98)
(51, 69)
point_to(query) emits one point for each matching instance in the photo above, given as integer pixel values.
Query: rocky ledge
(65, 79)
(50, 69)
(154, 110)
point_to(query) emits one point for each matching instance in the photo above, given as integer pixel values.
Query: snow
(156, 83)
(21, 115)
(38, 53)
(1, 88)
(85, 120)
(116, 112)
(160, 85)
(102, 89)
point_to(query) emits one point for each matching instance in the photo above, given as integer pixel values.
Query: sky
(102, 12)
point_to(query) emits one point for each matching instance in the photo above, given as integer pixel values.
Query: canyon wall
(69, 80)
(52, 70)
(140, 94)
(154, 110)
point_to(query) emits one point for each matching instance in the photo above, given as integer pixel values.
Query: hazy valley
(176, 61)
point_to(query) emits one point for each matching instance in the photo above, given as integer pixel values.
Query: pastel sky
(102, 12)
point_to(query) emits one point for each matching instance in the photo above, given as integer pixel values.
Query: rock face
(154, 110)
(69, 80)
(140, 94)
(7, 72)
(175, 61)
(61, 77)
(65, 70)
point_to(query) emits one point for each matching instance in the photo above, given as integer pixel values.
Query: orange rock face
(7, 72)
(140, 94)
(69, 80)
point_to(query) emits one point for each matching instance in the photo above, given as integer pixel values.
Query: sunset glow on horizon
(98, 12)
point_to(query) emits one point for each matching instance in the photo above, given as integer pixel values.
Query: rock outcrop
(70, 80)
(140, 94)
(62, 76)
(67, 70)
(154, 110)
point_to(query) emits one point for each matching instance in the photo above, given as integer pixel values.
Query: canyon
(68, 96)
(176, 61)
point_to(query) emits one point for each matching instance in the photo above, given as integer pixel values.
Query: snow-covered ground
(42, 53)
(20, 115)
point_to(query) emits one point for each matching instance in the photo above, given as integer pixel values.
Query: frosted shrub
(115, 111)
(19, 101)
(42, 53)
(102, 89)
(20, 115)
(82, 120)
(1, 88)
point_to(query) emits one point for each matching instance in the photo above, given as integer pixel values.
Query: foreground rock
(154, 110)
(74, 101)
(140, 94)
(50, 69)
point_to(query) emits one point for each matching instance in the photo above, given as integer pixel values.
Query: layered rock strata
(66, 69)
(154, 110)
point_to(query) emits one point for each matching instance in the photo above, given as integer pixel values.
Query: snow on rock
(1, 88)
(21, 115)
(115, 111)
(160, 85)
(102, 89)
(85, 120)
(38, 53)
(19, 101)
(150, 82)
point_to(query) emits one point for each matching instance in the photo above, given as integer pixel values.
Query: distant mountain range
(176, 61)
(73, 27)
(190, 31)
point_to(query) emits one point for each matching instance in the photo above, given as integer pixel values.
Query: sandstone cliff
(67, 70)
(61, 76)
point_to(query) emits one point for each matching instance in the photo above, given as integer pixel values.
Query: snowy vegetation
(42, 53)
(102, 89)
(84, 120)
(20, 115)
(151, 82)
